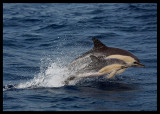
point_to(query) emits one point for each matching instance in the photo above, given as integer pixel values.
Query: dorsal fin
(98, 44)
(94, 58)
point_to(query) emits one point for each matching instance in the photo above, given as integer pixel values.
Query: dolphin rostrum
(102, 60)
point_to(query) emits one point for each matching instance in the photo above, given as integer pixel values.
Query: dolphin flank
(102, 60)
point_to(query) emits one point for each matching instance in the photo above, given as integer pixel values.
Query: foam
(53, 76)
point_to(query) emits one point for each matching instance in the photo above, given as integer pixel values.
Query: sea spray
(54, 76)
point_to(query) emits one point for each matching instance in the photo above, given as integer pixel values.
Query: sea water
(39, 40)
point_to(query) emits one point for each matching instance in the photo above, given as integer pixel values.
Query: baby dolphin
(99, 67)
(102, 60)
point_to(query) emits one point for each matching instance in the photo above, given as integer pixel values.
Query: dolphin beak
(139, 65)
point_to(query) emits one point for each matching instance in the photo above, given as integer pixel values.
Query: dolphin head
(137, 64)
(130, 60)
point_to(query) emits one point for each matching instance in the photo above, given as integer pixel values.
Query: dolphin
(102, 60)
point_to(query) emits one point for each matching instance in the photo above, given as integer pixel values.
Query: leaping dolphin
(102, 60)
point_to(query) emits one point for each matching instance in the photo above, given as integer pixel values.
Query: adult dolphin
(102, 60)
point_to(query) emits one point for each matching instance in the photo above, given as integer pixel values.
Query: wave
(52, 27)
(53, 76)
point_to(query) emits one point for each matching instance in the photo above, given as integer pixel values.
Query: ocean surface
(39, 40)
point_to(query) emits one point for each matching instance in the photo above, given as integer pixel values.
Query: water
(40, 39)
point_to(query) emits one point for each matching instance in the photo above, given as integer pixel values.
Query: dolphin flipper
(112, 74)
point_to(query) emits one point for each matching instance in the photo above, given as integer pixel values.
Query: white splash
(53, 76)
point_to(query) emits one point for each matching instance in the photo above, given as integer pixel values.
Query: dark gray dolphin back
(99, 47)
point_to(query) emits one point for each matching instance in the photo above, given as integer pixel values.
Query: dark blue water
(40, 39)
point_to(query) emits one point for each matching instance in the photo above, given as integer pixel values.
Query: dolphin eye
(135, 62)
